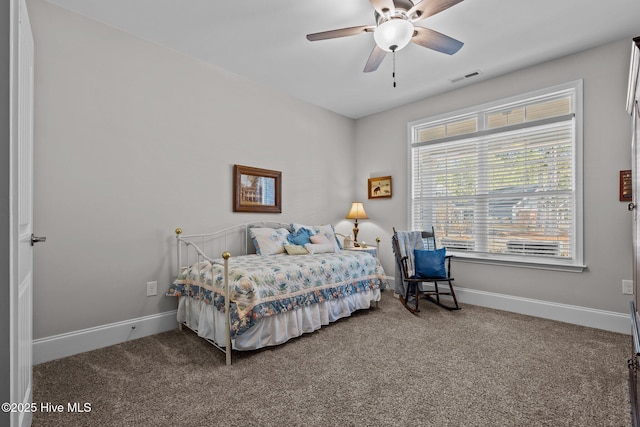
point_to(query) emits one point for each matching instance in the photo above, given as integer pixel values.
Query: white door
(21, 199)
(633, 95)
(635, 171)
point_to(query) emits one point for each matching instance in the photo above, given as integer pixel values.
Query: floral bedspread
(265, 285)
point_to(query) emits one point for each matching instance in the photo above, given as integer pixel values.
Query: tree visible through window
(500, 181)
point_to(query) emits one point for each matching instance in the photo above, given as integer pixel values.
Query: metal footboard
(194, 248)
(189, 251)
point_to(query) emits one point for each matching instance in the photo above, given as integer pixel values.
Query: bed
(261, 284)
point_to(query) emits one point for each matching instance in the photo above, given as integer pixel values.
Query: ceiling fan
(395, 28)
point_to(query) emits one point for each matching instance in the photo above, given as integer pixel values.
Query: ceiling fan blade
(383, 7)
(375, 58)
(427, 8)
(342, 32)
(437, 41)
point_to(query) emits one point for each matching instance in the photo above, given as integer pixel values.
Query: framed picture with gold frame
(256, 190)
(379, 187)
(626, 186)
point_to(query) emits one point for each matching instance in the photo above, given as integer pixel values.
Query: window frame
(575, 264)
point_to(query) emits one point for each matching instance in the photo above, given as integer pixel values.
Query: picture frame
(626, 186)
(256, 190)
(380, 187)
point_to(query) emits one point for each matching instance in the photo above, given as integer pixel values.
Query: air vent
(466, 76)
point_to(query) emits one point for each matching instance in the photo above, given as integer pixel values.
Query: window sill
(556, 266)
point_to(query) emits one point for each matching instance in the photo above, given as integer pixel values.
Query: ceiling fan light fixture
(393, 35)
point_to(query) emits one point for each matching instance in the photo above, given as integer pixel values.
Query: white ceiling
(265, 42)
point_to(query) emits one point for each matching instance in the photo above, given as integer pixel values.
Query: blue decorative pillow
(430, 263)
(300, 237)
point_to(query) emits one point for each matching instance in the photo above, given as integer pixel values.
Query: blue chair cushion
(430, 263)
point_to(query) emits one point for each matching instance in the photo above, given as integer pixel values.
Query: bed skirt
(272, 330)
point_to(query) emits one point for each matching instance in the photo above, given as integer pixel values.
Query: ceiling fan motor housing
(394, 28)
(393, 34)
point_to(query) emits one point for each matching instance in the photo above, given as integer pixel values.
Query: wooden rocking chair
(413, 282)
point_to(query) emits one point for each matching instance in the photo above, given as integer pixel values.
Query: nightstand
(373, 250)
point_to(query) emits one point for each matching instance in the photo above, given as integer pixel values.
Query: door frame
(21, 107)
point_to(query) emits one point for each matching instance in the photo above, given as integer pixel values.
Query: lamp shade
(357, 211)
(393, 34)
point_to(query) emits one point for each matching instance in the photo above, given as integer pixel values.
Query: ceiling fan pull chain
(394, 68)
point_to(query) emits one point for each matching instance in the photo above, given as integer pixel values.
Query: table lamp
(357, 212)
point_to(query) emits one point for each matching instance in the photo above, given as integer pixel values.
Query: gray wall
(5, 160)
(134, 140)
(607, 148)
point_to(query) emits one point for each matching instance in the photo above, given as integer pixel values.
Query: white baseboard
(584, 316)
(63, 345)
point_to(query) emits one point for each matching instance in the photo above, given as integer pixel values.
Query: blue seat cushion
(430, 264)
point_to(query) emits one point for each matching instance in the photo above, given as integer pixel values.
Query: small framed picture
(379, 187)
(256, 190)
(626, 186)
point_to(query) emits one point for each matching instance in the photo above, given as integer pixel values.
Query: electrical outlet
(627, 287)
(152, 289)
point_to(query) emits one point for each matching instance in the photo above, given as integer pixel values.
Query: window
(501, 182)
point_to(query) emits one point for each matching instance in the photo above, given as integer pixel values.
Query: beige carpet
(380, 367)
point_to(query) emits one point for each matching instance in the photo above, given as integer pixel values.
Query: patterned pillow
(327, 230)
(269, 241)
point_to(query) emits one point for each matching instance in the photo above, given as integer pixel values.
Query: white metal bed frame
(193, 249)
(184, 244)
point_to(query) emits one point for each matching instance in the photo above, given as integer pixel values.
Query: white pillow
(319, 249)
(269, 241)
(326, 230)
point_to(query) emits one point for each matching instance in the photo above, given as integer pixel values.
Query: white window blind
(501, 182)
